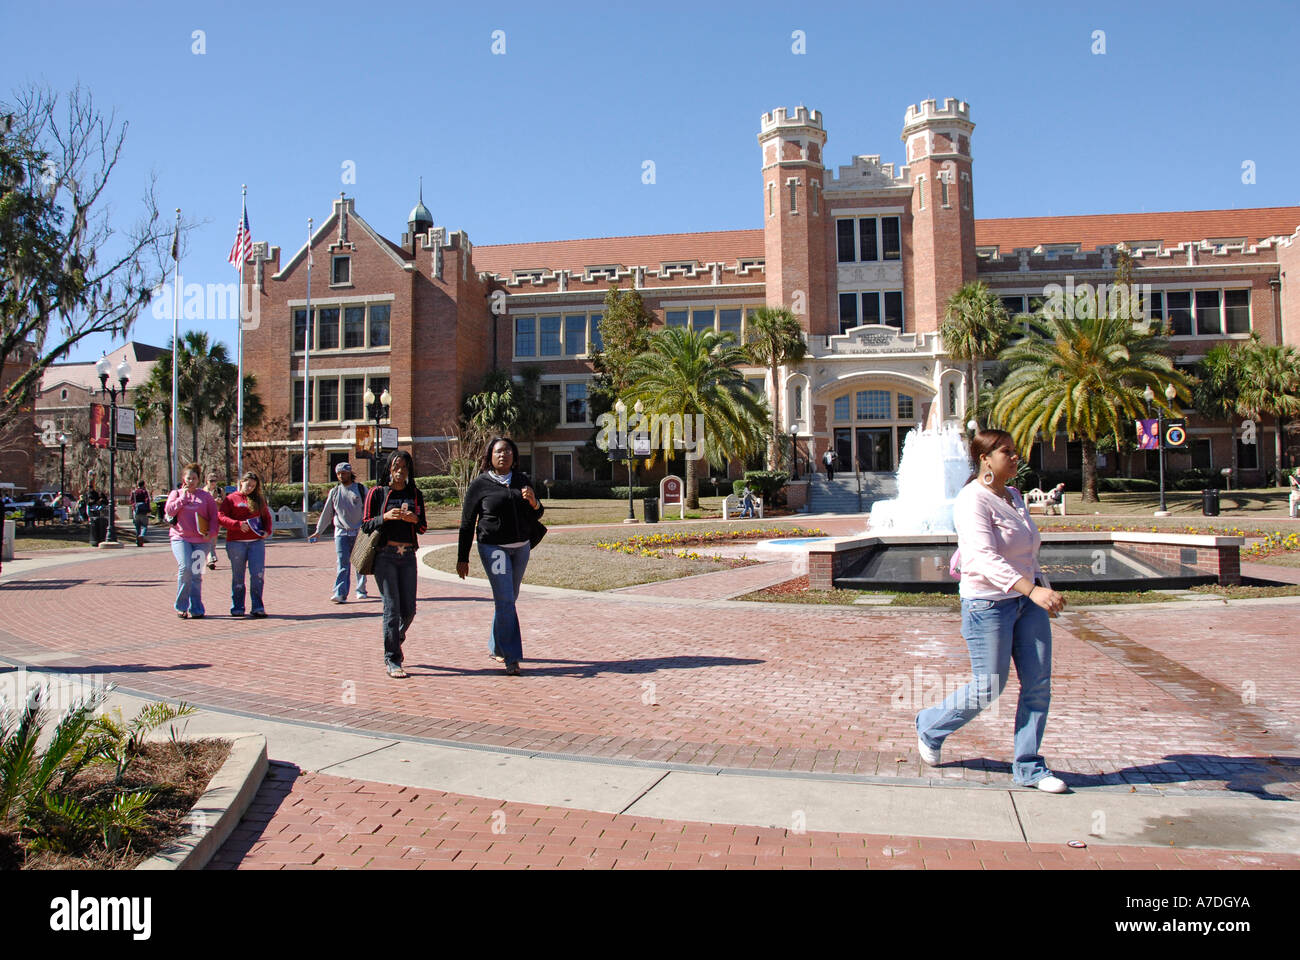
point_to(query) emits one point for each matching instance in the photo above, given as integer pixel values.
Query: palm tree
(533, 418)
(198, 376)
(775, 339)
(1088, 372)
(975, 327)
(690, 373)
(225, 410)
(153, 400)
(1270, 386)
(1216, 394)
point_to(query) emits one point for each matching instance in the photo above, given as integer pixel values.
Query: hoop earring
(986, 477)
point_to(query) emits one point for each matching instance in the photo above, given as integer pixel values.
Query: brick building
(867, 254)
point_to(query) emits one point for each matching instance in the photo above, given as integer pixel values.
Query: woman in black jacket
(397, 510)
(501, 504)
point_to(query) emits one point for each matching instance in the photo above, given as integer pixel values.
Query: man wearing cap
(343, 507)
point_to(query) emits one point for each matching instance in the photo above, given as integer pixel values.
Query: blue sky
(547, 141)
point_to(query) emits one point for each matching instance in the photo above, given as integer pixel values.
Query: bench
(733, 507)
(286, 519)
(1042, 500)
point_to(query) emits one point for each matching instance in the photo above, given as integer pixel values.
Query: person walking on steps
(396, 510)
(502, 511)
(343, 508)
(1006, 606)
(828, 458)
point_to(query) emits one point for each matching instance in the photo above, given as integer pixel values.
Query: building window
(873, 405)
(965, 191)
(525, 336)
(597, 344)
(1208, 320)
(844, 230)
(771, 194)
(729, 322)
(327, 328)
(798, 403)
(379, 314)
(1155, 308)
(756, 385)
(337, 457)
(354, 389)
(1247, 455)
(920, 192)
(563, 464)
(891, 236)
(63, 394)
(575, 403)
(1201, 459)
(550, 339)
(794, 195)
(943, 191)
(550, 399)
(848, 311)
(701, 320)
(297, 401)
(300, 330)
(894, 309)
(841, 408)
(675, 318)
(814, 200)
(905, 407)
(952, 398)
(868, 248)
(575, 334)
(327, 399)
(871, 308)
(1236, 311)
(1179, 306)
(295, 468)
(342, 271)
(354, 327)
(1013, 305)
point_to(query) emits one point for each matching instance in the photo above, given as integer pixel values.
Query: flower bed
(655, 544)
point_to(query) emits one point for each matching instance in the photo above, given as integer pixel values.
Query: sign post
(671, 495)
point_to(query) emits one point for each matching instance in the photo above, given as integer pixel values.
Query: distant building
(18, 448)
(867, 254)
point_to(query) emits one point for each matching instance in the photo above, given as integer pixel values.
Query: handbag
(367, 546)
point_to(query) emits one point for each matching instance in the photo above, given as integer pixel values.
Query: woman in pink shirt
(192, 513)
(246, 518)
(1006, 604)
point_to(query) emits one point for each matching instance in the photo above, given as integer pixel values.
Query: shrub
(290, 494)
(1126, 484)
(1193, 479)
(765, 483)
(638, 493)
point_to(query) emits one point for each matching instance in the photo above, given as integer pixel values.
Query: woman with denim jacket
(501, 509)
(397, 511)
(1006, 606)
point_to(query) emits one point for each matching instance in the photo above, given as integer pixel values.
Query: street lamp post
(376, 410)
(63, 446)
(123, 375)
(1149, 395)
(621, 409)
(794, 449)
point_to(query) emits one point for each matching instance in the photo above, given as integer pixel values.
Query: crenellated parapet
(669, 273)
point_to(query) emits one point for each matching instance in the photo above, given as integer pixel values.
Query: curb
(218, 811)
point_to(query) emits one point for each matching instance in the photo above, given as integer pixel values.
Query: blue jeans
(250, 553)
(396, 575)
(343, 544)
(189, 575)
(141, 520)
(998, 632)
(505, 568)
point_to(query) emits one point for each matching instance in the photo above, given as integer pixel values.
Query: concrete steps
(841, 494)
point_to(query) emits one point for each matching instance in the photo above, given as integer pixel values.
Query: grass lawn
(562, 512)
(1185, 505)
(571, 559)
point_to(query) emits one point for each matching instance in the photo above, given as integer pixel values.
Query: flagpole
(306, 377)
(174, 467)
(239, 346)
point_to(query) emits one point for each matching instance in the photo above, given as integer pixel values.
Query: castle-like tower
(938, 151)
(794, 222)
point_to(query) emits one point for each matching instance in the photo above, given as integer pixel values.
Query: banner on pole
(1175, 434)
(124, 429)
(99, 425)
(1148, 434)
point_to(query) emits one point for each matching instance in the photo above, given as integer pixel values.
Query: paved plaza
(671, 725)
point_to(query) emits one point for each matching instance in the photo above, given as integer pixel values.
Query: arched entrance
(868, 418)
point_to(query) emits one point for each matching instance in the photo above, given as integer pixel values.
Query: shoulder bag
(368, 544)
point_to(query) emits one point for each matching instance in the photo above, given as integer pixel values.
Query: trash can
(1210, 503)
(98, 530)
(650, 507)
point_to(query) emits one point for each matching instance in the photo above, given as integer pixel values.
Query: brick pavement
(320, 822)
(736, 685)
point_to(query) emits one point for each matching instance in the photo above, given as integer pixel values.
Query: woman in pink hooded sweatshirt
(192, 513)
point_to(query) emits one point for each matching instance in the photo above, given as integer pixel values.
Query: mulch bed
(179, 776)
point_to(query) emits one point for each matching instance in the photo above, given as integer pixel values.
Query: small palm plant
(118, 742)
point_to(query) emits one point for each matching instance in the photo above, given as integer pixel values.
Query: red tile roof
(646, 251)
(1108, 228)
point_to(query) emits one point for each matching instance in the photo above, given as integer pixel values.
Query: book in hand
(255, 524)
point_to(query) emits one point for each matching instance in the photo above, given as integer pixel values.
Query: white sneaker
(928, 754)
(363, 596)
(1051, 784)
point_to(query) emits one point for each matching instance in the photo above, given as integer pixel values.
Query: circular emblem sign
(1175, 436)
(670, 490)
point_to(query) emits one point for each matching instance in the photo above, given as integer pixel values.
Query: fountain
(932, 471)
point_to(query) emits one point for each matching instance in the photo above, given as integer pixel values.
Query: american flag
(243, 246)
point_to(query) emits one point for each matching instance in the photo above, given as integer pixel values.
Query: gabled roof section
(1169, 229)
(725, 246)
(400, 257)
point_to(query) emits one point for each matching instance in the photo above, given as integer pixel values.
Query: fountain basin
(1072, 561)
